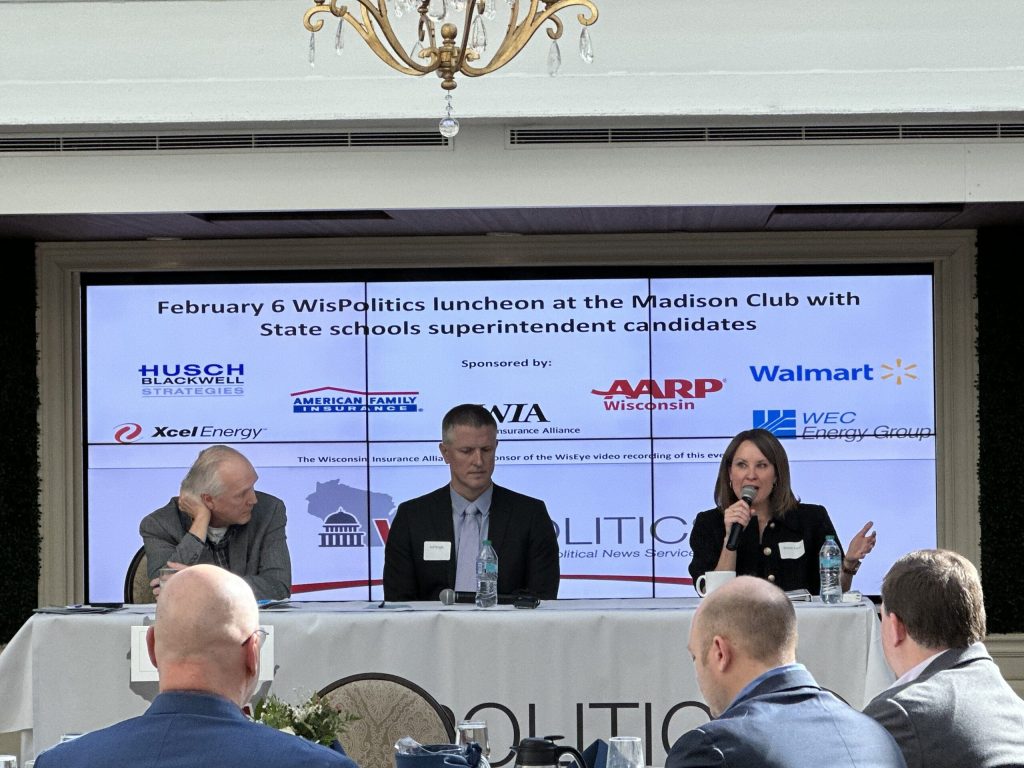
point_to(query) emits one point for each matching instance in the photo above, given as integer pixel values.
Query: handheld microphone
(451, 597)
(747, 493)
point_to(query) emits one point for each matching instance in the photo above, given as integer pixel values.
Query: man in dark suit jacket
(219, 518)
(769, 712)
(206, 648)
(950, 707)
(422, 554)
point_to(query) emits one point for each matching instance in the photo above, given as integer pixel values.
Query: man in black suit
(434, 539)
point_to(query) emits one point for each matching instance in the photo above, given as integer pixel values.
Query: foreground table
(586, 669)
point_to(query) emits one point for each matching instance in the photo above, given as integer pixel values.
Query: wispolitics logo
(657, 394)
(340, 400)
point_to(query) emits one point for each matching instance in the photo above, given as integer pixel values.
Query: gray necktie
(469, 548)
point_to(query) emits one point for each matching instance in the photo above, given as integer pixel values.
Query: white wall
(211, 61)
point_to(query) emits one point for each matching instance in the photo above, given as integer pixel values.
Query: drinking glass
(625, 752)
(473, 730)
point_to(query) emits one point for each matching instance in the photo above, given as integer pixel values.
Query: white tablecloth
(585, 669)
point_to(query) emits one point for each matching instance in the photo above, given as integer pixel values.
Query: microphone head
(747, 493)
(448, 596)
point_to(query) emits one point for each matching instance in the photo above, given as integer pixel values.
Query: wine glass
(625, 752)
(474, 730)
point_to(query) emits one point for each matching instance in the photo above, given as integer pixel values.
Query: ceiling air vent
(766, 134)
(197, 142)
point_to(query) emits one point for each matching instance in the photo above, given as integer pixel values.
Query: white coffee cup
(708, 582)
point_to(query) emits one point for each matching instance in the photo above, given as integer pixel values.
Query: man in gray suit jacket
(950, 707)
(769, 712)
(434, 540)
(219, 518)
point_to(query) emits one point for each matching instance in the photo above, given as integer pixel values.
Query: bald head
(756, 617)
(204, 621)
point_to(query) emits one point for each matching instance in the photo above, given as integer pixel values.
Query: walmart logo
(781, 423)
(898, 371)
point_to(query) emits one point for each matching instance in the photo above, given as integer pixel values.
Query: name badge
(791, 550)
(437, 550)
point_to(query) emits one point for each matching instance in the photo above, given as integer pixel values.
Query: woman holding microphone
(778, 536)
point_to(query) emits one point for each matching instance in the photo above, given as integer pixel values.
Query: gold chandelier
(460, 46)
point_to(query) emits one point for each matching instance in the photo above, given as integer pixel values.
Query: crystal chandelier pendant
(339, 38)
(449, 126)
(312, 50)
(490, 11)
(458, 5)
(478, 38)
(437, 10)
(586, 47)
(554, 58)
(417, 49)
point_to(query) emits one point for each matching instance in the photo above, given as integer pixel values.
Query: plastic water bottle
(829, 562)
(487, 576)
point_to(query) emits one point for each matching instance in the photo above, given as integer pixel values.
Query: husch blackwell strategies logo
(192, 379)
(340, 400)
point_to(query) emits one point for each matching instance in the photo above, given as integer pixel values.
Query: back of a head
(202, 476)
(466, 415)
(937, 595)
(204, 613)
(756, 616)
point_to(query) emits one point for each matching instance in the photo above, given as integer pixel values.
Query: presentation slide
(615, 398)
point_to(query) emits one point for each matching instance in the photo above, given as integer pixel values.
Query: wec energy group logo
(781, 423)
(127, 433)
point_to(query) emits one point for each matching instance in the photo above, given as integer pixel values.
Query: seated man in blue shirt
(769, 712)
(206, 648)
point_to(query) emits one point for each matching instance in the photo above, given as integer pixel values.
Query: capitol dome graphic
(341, 530)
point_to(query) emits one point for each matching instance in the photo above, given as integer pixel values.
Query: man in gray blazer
(950, 707)
(219, 518)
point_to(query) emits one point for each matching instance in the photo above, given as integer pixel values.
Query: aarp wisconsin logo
(781, 423)
(127, 433)
(656, 394)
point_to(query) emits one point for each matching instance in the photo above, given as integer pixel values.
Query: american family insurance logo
(339, 400)
(657, 394)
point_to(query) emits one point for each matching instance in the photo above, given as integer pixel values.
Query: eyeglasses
(259, 634)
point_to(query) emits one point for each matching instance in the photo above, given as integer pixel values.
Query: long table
(585, 669)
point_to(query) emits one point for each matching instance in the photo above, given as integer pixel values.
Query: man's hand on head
(194, 507)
